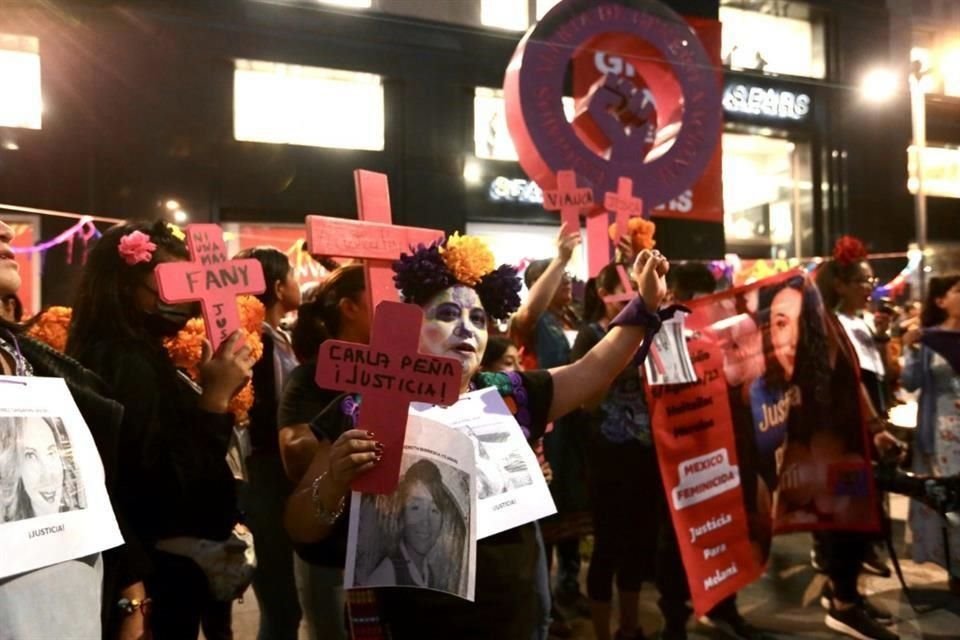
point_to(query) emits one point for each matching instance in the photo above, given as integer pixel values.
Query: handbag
(228, 564)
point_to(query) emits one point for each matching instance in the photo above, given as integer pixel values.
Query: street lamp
(881, 85)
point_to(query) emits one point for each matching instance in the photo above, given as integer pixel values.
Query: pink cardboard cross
(389, 375)
(212, 279)
(568, 199)
(624, 205)
(373, 239)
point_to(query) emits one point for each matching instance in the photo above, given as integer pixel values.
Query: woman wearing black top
(338, 309)
(174, 436)
(457, 297)
(263, 494)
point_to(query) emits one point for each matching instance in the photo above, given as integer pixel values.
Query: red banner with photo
(630, 57)
(771, 439)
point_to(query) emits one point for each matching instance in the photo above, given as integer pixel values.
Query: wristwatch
(131, 605)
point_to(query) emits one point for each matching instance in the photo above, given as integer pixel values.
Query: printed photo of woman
(422, 531)
(38, 476)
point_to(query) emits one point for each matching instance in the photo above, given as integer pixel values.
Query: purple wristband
(636, 314)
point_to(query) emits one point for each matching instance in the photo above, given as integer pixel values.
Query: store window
(939, 57)
(505, 14)
(353, 4)
(21, 104)
(313, 106)
(545, 5)
(767, 196)
(773, 37)
(490, 134)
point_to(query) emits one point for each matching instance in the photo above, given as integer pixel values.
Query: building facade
(256, 112)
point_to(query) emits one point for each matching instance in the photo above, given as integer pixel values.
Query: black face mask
(169, 319)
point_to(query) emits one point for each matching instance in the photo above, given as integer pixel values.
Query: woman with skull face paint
(459, 289)
(175, 435)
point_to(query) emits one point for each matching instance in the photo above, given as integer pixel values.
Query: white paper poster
(669, 359)
(53, 502)
(511, 490)
(863, 343)
(424, 533)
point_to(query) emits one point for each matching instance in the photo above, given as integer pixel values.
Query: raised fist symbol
(621, 117)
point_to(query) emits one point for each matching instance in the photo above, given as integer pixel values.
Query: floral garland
(185, 349)
(465, 260)
(640, 232)
(52, 327)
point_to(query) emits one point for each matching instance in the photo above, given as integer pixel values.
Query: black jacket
(127, 564)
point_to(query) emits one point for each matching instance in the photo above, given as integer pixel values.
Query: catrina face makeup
(456, 327)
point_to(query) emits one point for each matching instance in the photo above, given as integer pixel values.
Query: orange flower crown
(52, 327)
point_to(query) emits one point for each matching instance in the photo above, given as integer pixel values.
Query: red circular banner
(625, 114)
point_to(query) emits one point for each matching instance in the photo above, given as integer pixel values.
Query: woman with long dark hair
(846, 284)
(337, 309)
(937, 442)
(267, 487)
(175, 434)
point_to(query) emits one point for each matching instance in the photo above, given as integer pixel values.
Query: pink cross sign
(212, 279)
(389, 375)
(624, 206)
(568, 199)
(373, 239)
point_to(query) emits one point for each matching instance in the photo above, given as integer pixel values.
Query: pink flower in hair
(135, 247)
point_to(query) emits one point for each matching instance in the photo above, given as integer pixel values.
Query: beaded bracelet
(324, 515)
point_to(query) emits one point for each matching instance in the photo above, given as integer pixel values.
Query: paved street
(785, 601)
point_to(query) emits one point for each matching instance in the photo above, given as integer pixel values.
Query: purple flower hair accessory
(499, 292)
(422, 273)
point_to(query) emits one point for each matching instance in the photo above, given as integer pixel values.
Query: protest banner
(760, 444)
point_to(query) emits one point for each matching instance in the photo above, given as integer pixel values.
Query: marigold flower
(468, 258)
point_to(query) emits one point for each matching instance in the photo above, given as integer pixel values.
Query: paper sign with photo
(423, 534)
(511, 490)
(53, 502)
(669, 361)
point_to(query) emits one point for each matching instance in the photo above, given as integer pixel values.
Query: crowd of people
(567, 367)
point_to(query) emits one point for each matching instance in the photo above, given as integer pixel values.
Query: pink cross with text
(623, 204)
(373, 239)
(212, 279)
(389, 375)
(568, 199)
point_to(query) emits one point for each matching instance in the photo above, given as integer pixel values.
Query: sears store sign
(751, 101)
